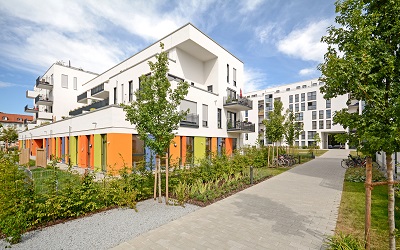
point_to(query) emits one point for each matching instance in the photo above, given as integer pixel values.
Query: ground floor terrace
(112, 151)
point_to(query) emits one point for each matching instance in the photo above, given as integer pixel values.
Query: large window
(314, 124)
(314, 115)
(303, 106)
(303, 97)
(312, 105)
(189, 150)
(296, 107)
(291, 107)
(321, 114)
(130, 91)
(219, 118)
(137, 149)
(205, 115)
(328, 114)
(311, 135)
(296, 98)
(64, 81)
(208, 147)
(291, 99)
(328, 103)
(328, 124)
(321, 124)
(234, 77)
(311, 96)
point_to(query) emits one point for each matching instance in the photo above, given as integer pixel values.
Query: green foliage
(274, 127)
(154, 112)
(343, 242)
(358, 175)
(8, 135)
(292, 128)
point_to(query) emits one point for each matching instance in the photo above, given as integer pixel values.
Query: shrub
(357, 174)
(343, 242)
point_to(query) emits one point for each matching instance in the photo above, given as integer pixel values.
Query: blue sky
(278, 40)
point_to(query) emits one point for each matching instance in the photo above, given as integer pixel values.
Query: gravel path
(103, 230)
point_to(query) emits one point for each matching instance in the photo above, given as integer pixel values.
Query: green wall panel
(199, 148)
(97, 152)
(72, 150)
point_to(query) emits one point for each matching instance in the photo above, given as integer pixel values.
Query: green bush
(357, 174)
(343, 242)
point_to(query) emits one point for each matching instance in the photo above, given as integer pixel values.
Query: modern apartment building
(90, 129)
(310, 108)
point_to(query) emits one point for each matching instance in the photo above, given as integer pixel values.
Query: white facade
(311, 109)
(212, 72)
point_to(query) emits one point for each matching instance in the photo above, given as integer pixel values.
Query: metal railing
(94, 105)
(191, 120)
(97, 89)
(240, 126)
(82, 96)
(240, 101)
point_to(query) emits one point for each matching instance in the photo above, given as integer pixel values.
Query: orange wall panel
(214, 145)
(183, 150)
(228, 146)
(92, 152)
(119, 151)
(82, 151)
(175, 151)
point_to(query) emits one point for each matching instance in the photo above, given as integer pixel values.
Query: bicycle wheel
(344, 163)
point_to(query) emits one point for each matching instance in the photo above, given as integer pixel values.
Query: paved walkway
(295, 210)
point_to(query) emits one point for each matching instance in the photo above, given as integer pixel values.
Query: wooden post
(159, 180)
(268, 155)
(166, 177)
(155, 181)
(368, 190)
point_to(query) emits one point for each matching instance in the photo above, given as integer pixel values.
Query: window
(227, 73)
(210, 88)
(5, 118)
(312, 105)
(246, 136)
(328, 124)
(321, 114)
(219, 118)
(291, 107)
(303, 97)
(231, 95)
(303, 135)
(296, 107)
(189, 149)
(189, 105)
(328, 104)
(297, 87)
(52, 79)
(115, 95)
(303, 143)
(296, 98)
(314, 115)
(304, 86)
(75, 83)
(311, 96)
(291, 99)
(299, 116)
(130, 91)
(122, 93)
(321, 124)
(311, 134)
(314, 84)
(314, 124)
(208, 147)
(64, 81)
(234, 77)
(303, 106)
(287, 89)
(328, 114)
(205, 115)
(246, 113)
(137, 149)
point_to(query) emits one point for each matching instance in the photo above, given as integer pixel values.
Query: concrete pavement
(294, 210)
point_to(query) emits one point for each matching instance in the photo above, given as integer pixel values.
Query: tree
(8, 135)
(293, 129)
(154, 112)
(363, 59)
(274, 129)
(317, 140)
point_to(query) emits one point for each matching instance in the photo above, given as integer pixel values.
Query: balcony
(82, 98)
(43, 100)
(31, 109)
(87, 108)
(191, 121)
(43, 84)
(31, 94)
(240, 104)
(44, 115)
(240, 127)
(99, 92)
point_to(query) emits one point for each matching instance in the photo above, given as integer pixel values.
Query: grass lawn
(352, 212)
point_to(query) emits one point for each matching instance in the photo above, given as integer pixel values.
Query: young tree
(363, 59)
(274, 129)
(8, 135)
(154, 112)
(317, 140)
(292, 128)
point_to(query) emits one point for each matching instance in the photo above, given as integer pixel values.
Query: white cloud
(254, 79)
(308, 72)
(9, 85)
(249, 5)
(304, 43)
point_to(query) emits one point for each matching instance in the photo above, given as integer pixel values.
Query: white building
(96, 134)
(311, 109)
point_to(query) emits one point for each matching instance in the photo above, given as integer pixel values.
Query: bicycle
(353, 161)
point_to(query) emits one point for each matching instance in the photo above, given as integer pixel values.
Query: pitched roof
(14, 118)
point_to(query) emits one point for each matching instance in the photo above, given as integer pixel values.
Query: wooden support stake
(155, 181)
(368, 191)
(268, 155)
(159, 180)
(166, 178)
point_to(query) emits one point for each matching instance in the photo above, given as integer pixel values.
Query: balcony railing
(31, 109)
(43, 84)
(82, 97)
(43, 100)
(191, 120)
(238, 104)
(95, 105)
(241, 127)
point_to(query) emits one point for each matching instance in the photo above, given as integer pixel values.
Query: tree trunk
(159, 180)
(389, 169)
(155, 181)
(273, 154)
(368, 189)
(166, 178)
(268, 155)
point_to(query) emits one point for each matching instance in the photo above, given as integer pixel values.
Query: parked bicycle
(354, 161)
(285, 160)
